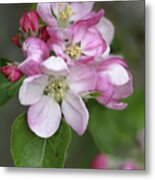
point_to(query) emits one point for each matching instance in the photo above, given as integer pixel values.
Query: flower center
(57, 89)
(73, 51)
(64, 15)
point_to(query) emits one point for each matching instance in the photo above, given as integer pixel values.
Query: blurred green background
(112, 132)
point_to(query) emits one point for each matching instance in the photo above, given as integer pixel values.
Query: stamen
(73, 51)
(64, 15)
(57, 89)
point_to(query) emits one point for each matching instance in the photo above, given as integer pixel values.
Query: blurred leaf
(115, 131)
(33, 7)
(116, 45)
(8, 89)
(4, 61)
(28, 150)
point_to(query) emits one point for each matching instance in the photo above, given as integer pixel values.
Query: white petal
(44, 117)
(82, 79)
(32, 89)
(116, 74)
(107, 30)
(75, 112)
(55, 66)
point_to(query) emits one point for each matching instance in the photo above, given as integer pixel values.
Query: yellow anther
(66, 13)
(73, 51)
(56, 89)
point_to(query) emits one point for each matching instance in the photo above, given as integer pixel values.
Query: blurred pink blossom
(100, 162)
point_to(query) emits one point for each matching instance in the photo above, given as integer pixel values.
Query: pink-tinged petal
(78, 32)
(93, 44)
(91, 19)
(106, 89)
(82, 78)
(75, 112)
(111, 60)
(55, 66)
(103, 56)
(106, 28)
(30, 67)
(116, 104)
(125, 90)
(32, 89)
(44, 117)
(80, 10)
(116, 74)
(44, 10)
(35, 48)
(56, 42)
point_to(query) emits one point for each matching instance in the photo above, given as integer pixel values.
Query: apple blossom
(65, 13)
(57, 90)
(114, 82)
(82, 44)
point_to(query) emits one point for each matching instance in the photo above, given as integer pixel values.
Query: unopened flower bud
(11, 72)
(44, 35)
(16, 40)
(29, 22)
(100, 162)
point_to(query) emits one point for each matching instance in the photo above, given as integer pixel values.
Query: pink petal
(111, 60)
(56, 42)
(78, 32)
(44, 11)
(75, 112)
(106, 28)
(35, 48)
(91, 19)
(116, 74)
(32, 89)
(82, 78)
(44, 117)
(116, 104)
(105, 88)
(55, 66)
(80, 10)
(93, 44)
(30, 66)
(125, 90)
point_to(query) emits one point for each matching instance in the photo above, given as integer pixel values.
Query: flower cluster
(67, 59)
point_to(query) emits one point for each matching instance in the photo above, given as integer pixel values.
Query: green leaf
(115, 132)
(33, 7)
(29, 150)
(7, 89)
(116, 45)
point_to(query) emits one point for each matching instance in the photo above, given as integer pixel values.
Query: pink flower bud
(128, 166)
(16, 40)
(11, 72)
(29, 22)
(44, 35)
(100, 162)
